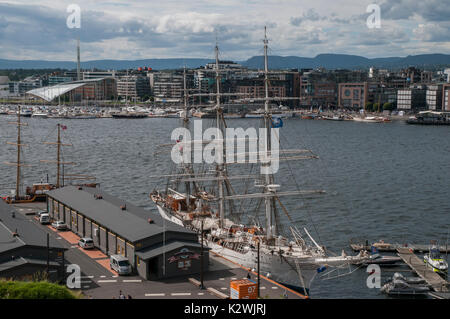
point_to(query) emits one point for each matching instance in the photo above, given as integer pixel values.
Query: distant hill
(345, 61)
(157, 64)
(328, 61)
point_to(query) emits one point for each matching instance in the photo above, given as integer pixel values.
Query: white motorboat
(435, 261)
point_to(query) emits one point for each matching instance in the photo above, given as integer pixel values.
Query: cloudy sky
(128, 29)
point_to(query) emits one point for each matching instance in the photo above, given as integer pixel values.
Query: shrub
(34, 290)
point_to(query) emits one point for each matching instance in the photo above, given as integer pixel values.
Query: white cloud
(188, 22)
(132, 29)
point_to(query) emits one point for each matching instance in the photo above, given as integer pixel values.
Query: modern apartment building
(167, 85)
(434, 97)
(413, 98)
(133, 87)
(353, 95)
(446, 97)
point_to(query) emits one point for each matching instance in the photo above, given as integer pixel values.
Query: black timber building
(156, 248)
(24, 253)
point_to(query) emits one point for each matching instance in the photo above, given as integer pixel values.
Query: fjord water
(383, 181)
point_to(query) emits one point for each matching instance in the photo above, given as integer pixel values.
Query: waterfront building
(353, 95)
(167, 86)
(88, 75)
(94, 89)
(56, 79)
(156, 248)
(133, 87)
(434, 97)
(446, 97)
(413, 98)
(258, 91)
(323, 93)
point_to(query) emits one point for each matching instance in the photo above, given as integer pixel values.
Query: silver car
(86, 243)
(59, 225)
(120, 264)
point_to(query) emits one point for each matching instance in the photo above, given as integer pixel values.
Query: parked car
(120, 264)
(86, 243)
(59, 225)
(39, 213)
(44, 219)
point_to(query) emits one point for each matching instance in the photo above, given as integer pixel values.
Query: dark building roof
(153, 251)
(29, 234)
(131, 224)
(20, 261)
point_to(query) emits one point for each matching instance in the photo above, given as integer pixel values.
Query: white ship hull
(282, 270)
(279, 269)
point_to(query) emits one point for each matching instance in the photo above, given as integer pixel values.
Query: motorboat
(382, 260)
(376, 258)
(434, 260)
(41, 115)
(401, 287)
(333, 118)
(408, 280)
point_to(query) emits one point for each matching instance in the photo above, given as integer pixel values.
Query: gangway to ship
(342, 271)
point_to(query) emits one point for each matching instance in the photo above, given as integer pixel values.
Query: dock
(386, 247)
(437, 283)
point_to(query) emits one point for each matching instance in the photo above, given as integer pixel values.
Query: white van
(44, 219)
(120, 264)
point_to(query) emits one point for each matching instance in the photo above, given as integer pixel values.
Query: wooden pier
(436, 282)
(386, 247)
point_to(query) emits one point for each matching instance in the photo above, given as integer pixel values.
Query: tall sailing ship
(37, 191)
(292, 261)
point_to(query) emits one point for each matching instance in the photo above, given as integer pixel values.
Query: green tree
(376, 107)
(369, 106)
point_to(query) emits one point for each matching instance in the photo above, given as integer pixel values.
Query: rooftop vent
(123, 207)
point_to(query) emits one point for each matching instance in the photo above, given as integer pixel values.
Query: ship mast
(270, 231)
(58, 161)
(186, 126)
(19, 144)
(18, 155)
(220, 166)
